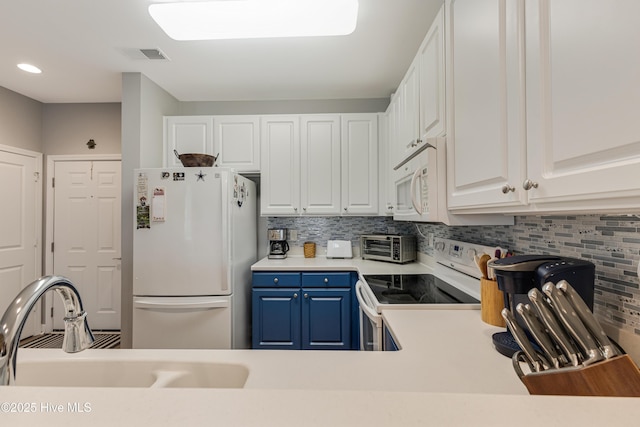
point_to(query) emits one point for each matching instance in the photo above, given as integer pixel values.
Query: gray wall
(20, 121)
(284, 107)
(67, 128)
(143, 106)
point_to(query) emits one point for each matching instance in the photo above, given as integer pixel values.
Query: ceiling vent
(153, 54)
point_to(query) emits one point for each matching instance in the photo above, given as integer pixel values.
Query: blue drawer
(276, 280)
(324, 280)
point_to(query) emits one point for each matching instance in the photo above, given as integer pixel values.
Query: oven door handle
(417, 174)
(366, 309)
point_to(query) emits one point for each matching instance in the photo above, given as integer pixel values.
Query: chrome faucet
(77, 334)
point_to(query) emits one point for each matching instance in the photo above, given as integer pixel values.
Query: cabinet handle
(326, 280)
(390, 208)
(528, 184)
(306, 295)
(304, 209)
(507, 188)
(275, 280)
(345, 209)
(295, 209)
(295, 296)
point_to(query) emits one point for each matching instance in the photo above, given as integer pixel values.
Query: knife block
(491, 303)
(618, 377)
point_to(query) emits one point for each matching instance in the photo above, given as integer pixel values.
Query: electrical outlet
(293, 234)
(430, 239)
(391, 230)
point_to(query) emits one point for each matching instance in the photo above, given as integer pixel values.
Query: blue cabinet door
(326, 319)
(276, 318)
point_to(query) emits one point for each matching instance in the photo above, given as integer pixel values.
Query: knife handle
(538, 330)
(592, 324)
(574, 325)
(555, 330)
(521, 338)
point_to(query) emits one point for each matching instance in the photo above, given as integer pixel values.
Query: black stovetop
(415, 289)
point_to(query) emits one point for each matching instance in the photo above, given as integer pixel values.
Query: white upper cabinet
(421, 95)
(583, 104)
(409, 119)
(237, 142)
(234, 139)
(320, 165)
(280, 158)
(360, 164)
(485, 89)
(432, 80)
(187, 134)
(572, 144)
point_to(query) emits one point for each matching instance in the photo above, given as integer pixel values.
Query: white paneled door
(86, 237)
(20, 227)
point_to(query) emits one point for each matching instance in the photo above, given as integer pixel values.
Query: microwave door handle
(417, 206)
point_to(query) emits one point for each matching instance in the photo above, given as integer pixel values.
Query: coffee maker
(278, 246)
(518, 274)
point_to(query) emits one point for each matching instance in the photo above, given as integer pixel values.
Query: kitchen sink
(120, 373)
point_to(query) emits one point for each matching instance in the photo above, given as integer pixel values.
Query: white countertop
(446, 374)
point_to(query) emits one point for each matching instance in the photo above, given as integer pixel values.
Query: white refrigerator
(194, 241)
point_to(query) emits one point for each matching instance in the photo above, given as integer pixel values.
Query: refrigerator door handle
(152, 303)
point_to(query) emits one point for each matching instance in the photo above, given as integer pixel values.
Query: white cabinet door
(432, 83)
(237, 142)
(320, 165)
(583, 103)
(187, 134)
(486, 152)
(280, 159)
(409, 120)
(360, 164)
(385, 167)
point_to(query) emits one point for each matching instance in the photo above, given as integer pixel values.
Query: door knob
(508, 188)
(528, 184)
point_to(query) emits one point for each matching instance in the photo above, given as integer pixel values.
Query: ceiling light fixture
(30, 68)
(245, 19)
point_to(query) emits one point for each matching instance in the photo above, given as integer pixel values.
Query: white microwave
(418, 185)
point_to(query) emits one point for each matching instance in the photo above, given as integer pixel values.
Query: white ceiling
(83, 46)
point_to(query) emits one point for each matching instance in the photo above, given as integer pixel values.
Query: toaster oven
(388, 247)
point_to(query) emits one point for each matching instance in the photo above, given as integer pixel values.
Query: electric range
(453, 281)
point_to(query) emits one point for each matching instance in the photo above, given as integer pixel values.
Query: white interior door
(86, 237)
(20, 227)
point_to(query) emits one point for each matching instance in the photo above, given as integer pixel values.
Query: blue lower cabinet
(326, 319)
(276, 318)
(309, 318)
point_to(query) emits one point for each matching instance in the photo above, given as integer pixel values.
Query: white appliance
(339, 249)
(194, 241)
(452, 283)
(420, 188)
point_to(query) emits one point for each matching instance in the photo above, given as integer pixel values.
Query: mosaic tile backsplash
(611, 242)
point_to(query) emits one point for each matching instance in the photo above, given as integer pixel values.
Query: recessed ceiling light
(30, 68)
(242, 19)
